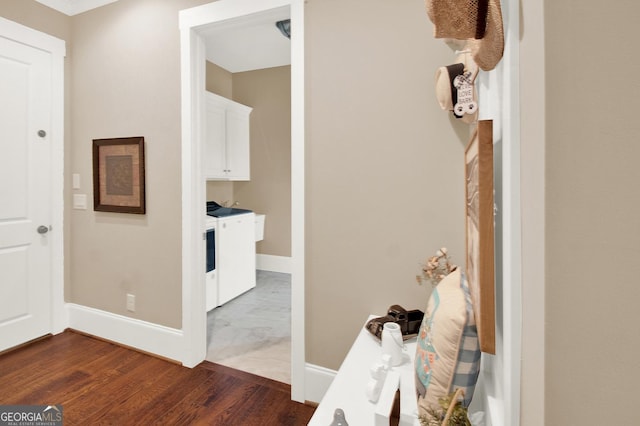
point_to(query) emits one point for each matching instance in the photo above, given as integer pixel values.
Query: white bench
(348, 390)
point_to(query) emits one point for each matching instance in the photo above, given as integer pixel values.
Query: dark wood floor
(100, 383)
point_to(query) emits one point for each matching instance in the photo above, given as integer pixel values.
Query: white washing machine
(231, 253)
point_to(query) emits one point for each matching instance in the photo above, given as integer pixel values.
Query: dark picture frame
(119, 175)
(480, 232)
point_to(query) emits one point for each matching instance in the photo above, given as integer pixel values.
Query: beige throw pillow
(448, 352)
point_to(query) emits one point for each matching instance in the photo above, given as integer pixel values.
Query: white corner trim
(298, 283)
(268, 262)
(142, 335)
(317, 382)
(29, 36)
(74, 7)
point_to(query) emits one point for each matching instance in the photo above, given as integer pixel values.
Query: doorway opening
(251, 331)
(193, 22)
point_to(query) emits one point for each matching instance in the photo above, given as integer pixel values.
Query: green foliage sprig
(458, 415)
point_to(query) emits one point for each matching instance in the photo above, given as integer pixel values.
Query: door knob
(42, 133)
(43, 229)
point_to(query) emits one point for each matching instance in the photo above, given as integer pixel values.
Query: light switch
(80, 201)
(76, 181)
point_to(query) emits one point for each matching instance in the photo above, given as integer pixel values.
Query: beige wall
(39, 17)
(384, 166)
(268, 91)
(384, 163)
(126, 82)
(593, 213)
(218, 80)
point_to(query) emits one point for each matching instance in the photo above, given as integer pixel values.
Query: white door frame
(193, 182)
(56, 48)
(501, 374)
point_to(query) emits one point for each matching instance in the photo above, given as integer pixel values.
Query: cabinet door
(215, 164)
(236, 253)
(238, 160)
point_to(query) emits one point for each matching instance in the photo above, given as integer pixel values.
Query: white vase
(392, 342)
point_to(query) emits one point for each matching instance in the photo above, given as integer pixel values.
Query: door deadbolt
(42, 133)
(43, 229)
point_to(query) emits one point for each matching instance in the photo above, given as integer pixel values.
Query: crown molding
(74, 7)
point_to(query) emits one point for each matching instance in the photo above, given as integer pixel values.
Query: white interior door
(25, 193)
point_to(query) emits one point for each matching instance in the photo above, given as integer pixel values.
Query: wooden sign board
(480, 232)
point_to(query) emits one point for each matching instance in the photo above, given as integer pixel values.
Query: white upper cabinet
(215, 164)
(227, 139)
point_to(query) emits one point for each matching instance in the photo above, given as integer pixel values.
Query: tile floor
(253, 331)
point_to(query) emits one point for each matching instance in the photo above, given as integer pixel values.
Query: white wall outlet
(131, 302)
(80, 201)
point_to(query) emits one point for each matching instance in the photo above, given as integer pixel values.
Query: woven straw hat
(459, 19)
(478, 21)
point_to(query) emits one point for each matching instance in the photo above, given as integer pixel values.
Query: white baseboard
(145, 336)
(167, 342)
(316, 382)
(267, 262)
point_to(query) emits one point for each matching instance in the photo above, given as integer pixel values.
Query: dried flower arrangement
(436, 268)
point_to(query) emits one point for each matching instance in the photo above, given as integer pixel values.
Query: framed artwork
(479, 232)
(118, 175)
